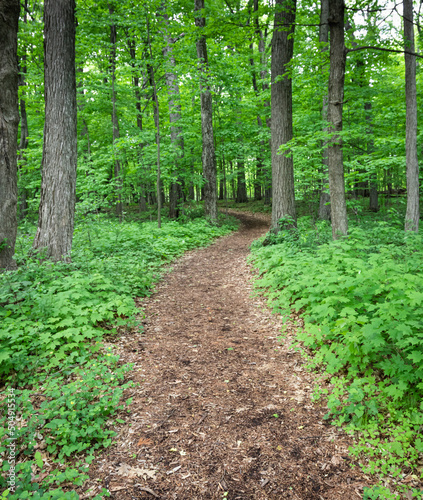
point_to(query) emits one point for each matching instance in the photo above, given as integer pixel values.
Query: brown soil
(223, 408)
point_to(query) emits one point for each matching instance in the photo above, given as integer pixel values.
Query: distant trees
(57, 202)
(9, 120)
(208, 69)
(115, 119)
(176, 186)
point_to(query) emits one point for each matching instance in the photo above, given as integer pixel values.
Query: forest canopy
(180, 101)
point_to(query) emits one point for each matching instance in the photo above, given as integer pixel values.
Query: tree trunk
(23, 143)
(281, 123)
(324, 202)
(221, 188)
(80, 102)
(142, 203)
(241, 193)
(208, 155)
(267, 196)
(373, 195)
(362, 187)
(9, 122)
(159, 189)
(374, 199)
(115, 120)
(259, 163)
(258, 179)
(176, 192)
(57, 204)
(336, 96)
(264, 75)
(191, 187)
(413, 210)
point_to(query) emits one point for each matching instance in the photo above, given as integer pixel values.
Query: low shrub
(361, 300)
(59, 382)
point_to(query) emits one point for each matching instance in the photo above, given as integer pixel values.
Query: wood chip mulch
(223, 408)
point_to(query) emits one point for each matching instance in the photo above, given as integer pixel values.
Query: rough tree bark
(115, 120)
(208, 156)
(9, 121)
(324, 207)
(283, 204)
(57, 204)
(336, 95)
(413, 210)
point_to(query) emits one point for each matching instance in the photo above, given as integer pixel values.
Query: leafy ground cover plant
(67, 388)
(361, 299)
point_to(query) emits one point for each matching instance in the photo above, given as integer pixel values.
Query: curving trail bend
(223, 409)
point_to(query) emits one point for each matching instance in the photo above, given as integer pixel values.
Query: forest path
(222, 405)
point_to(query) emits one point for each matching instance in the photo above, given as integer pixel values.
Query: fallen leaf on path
(131, 472)
(144, 442)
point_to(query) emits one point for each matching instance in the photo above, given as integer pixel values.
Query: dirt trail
(223, 409)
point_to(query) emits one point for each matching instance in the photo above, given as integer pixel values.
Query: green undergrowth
(62, 389)
(361, 299)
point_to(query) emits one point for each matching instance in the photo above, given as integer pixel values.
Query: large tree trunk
(283, 204)
(413, 210)
(175, 191)
(115, 120)
(324, 206)
(336, 96)
(9, 122)
(208, 155)
(57, 204)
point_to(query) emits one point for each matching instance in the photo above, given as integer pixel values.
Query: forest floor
(223, 408)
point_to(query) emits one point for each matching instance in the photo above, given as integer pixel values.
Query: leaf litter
(216, 406)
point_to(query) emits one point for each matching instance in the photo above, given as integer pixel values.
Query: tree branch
(371, 47)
